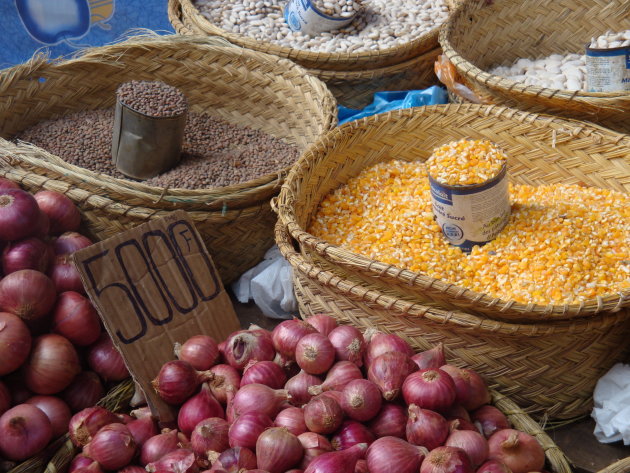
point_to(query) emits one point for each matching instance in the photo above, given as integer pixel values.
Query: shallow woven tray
(240, 86)
(541, 150)
(479, 35)
(186, 19)
(549, 369)
(621, 466)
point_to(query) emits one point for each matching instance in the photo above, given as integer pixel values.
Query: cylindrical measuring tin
(474, 214)
(144, 146)
(608, 70)
(303, 16)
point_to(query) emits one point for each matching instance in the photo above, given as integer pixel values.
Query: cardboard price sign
(153, 286)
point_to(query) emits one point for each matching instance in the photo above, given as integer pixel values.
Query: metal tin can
(471, 215)
(303, 16)
(608, 70)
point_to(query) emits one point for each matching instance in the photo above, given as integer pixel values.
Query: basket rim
(179, 10)
(499, 83)
(501, 308)
(114, 52)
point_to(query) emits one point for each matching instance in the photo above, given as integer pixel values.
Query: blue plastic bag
(388, 101)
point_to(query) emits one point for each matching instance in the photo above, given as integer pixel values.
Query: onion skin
(429, 389)
(27, 293)
(56, 410)
(473, 443)
(343, 461)
(264, 372)
(75, 318)
(361, 400)
(8, 184)
(519, 451)
(29, 253)
(200, 351)
(348, 343)
(286, 335)
(382, 343)
(81, 461)
(52, 364)
(15, 342)
(245, 345)
(446, 460)
(471, 390)
(84, 424)
(298, 387)
(489, 420)
(226, 378)
(291, 418)
(426, 428)
(314, 353)
(201, 406)
(259, 398)
(430, 359)
(314, 445)
(323, 415)
(234, 459)
(389, 371)
(210, 434)
(277, 450)
(340, 374)
(351, 433)
(106, 360)
(26, 430)
(85, 390)
(19, 214)
(158, 446)
(178, 461)
(64, 275)
(493, 466)
(245, 430)
(69, 242)
(388, 454)
(142, 429)
(132, 469)
(112, 447)
(5, 398)
(391, 421)
(63, 214)
(323, 323)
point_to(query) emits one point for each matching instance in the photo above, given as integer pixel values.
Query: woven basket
(541, 150)
(621, 466)
(480, 35)
(239, 86)
(548, 369)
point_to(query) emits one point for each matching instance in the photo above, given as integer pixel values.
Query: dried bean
(152, 98)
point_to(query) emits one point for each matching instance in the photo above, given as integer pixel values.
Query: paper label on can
(471, 216)
(303, 16)
(608, 70)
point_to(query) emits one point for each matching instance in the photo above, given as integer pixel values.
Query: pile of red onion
(55, 359)
(309, 397)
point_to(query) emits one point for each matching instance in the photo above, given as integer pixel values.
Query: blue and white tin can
(303, 16)
(608, 70)
(471, 215)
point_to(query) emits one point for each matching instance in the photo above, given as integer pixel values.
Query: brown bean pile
(152, 98)
(215, 153)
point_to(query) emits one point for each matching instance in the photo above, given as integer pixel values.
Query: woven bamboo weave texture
(621, 466)
(480, 34)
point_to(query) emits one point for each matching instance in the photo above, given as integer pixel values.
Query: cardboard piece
(153, 286)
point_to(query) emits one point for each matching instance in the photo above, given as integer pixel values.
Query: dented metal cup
(305, 17)
(145, 146)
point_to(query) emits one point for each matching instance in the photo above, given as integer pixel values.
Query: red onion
(30, 253)
(361, 466)
(5, 398)
(132, 469)
(84, 391)
(142, 430)
(430, 359)
(314, 445)
(75, 318)
(389, 371)
(489, 420)
(426, 428)
(259, 398)
(15, 342)
(225, 378)
(158, 446)
(105, 359)
(493, 466)
(456, 412)
(298, 387)
(473, 443)
(177, 461)
(389, 454)
(17, 388)
(334, 395)
(234, 459)
(391, 421)
(264, 372)
(125, 418)
(84, 424)
(27, 293)
(52, 364)
(201, 351)
(461, 424)
(323, 323)
(70, 242)
(81, 461)
(519, 451)
(348, 343)
(43, 226)
(323, 415)
(210, 434)
(144, 411)
(342, 461)
(245, 430)
(245, 345)
(471, 390)
(177, 381)
(429, 389)
(19, 214)
(290, 367)
(56, 410)
(63, 214)
(314, 353)
(8, 184)
(361, 399)
(382, 343)
(277, 450)
(340, 374)
(293, 419)
(64, 275)
(349, 434)
(199, 407)
(287, 334)
(112, 447)
(446, 460)
(26, 430)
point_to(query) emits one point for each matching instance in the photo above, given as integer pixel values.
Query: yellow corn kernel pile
(465, 162)
(563, 244)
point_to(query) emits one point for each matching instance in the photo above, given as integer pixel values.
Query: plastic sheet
(612, 405)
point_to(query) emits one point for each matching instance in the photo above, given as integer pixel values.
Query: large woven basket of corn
(480, 35)
(237, 86)
(551, 283)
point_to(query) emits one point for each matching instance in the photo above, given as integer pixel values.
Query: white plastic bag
(612, 405)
